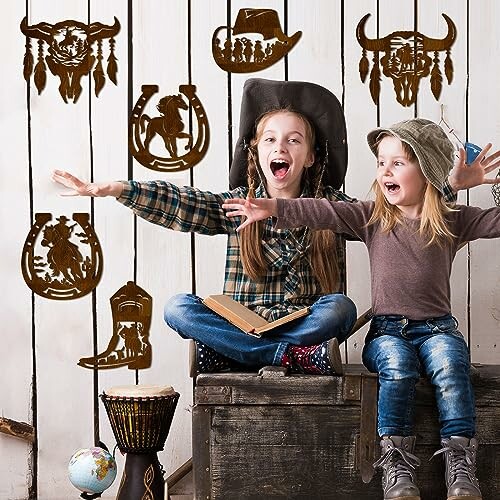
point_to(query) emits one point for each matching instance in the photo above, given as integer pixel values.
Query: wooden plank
(211, 173)
(394, 15)
(451, 105)
(21, 430)
(201, 452)
(114, 223)
(163, 256)
(60, 137)
(361, 116)
(484, 127)
(16, 370)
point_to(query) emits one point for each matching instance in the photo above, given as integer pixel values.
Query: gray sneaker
(398, 466)
(460, 468)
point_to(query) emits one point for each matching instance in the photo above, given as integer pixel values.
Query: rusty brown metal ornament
(131, 309)
(407, 58)
(262, 45)
(62, 264)
(162, 133)
(70, 54)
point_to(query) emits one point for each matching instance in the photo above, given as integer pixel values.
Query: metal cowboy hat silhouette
(247, 54)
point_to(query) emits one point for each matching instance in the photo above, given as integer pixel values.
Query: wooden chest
(273, 436)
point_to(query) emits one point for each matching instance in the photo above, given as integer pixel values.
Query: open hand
(79, 188)
(464, 176)
(254, 209)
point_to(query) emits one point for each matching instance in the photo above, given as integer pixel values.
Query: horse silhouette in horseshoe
(169, 125)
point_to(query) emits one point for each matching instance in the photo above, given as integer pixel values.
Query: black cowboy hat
(316, 103)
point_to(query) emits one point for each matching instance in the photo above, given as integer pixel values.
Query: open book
(245, 319)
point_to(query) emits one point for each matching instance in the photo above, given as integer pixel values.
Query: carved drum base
(142, 478)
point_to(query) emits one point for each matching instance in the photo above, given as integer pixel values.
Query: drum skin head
(140, 391)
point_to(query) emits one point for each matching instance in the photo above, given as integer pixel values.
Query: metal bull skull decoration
(62, 264)
(70, 54)
(161, 142)
(131, 307)
(406, 60)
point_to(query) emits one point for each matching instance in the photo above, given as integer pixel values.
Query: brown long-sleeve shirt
(407, 277)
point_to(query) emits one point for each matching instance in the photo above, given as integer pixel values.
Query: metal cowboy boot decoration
(131, 308)
(263, 45)
(155, 142)
(70, 54)
(63, 264)
(406, 60)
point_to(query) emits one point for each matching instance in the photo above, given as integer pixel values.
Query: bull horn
(99, 30)
(371, 44)
(435, 44)
(41, 30)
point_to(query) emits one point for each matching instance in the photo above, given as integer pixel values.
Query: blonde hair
(322, 244)
(433, 225)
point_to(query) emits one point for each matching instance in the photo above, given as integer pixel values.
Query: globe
(92, 470)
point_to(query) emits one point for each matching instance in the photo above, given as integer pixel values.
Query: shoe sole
(464, 497)
(334, 356)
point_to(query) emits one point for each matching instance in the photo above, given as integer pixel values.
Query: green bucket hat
(430, 143)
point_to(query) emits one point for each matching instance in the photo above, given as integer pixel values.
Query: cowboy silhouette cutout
(59, 263)
(248, 53)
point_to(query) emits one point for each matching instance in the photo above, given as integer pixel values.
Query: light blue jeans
(400, 351)
(331, 316)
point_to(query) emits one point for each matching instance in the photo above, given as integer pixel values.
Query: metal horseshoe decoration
(63, 264)
(155, 141)
(131, 307)
(70, 54)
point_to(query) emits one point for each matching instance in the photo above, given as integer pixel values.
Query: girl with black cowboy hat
(412, 237)
(298, 148)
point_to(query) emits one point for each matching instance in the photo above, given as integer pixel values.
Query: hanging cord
(495, 191)
(450, 130)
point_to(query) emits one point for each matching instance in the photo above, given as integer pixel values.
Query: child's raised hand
(464, 176)
(254, 209)
(80, 188)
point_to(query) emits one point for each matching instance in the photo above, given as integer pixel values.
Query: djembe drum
(140, 417)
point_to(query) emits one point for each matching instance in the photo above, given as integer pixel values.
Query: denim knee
(391, 355)
(343, 315)
(174, 312)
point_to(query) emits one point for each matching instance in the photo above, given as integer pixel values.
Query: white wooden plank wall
(168, 43)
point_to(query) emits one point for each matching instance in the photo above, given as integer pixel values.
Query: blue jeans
(400, 351)
(331, 316)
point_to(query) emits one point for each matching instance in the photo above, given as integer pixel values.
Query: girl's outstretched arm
(254, 209)
(79, 188)
(464, 176)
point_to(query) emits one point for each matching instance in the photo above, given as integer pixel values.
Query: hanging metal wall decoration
(57, 261)
(70, 54)
(262, 45)
(406, 60)
(161, 142)
(131, 308)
